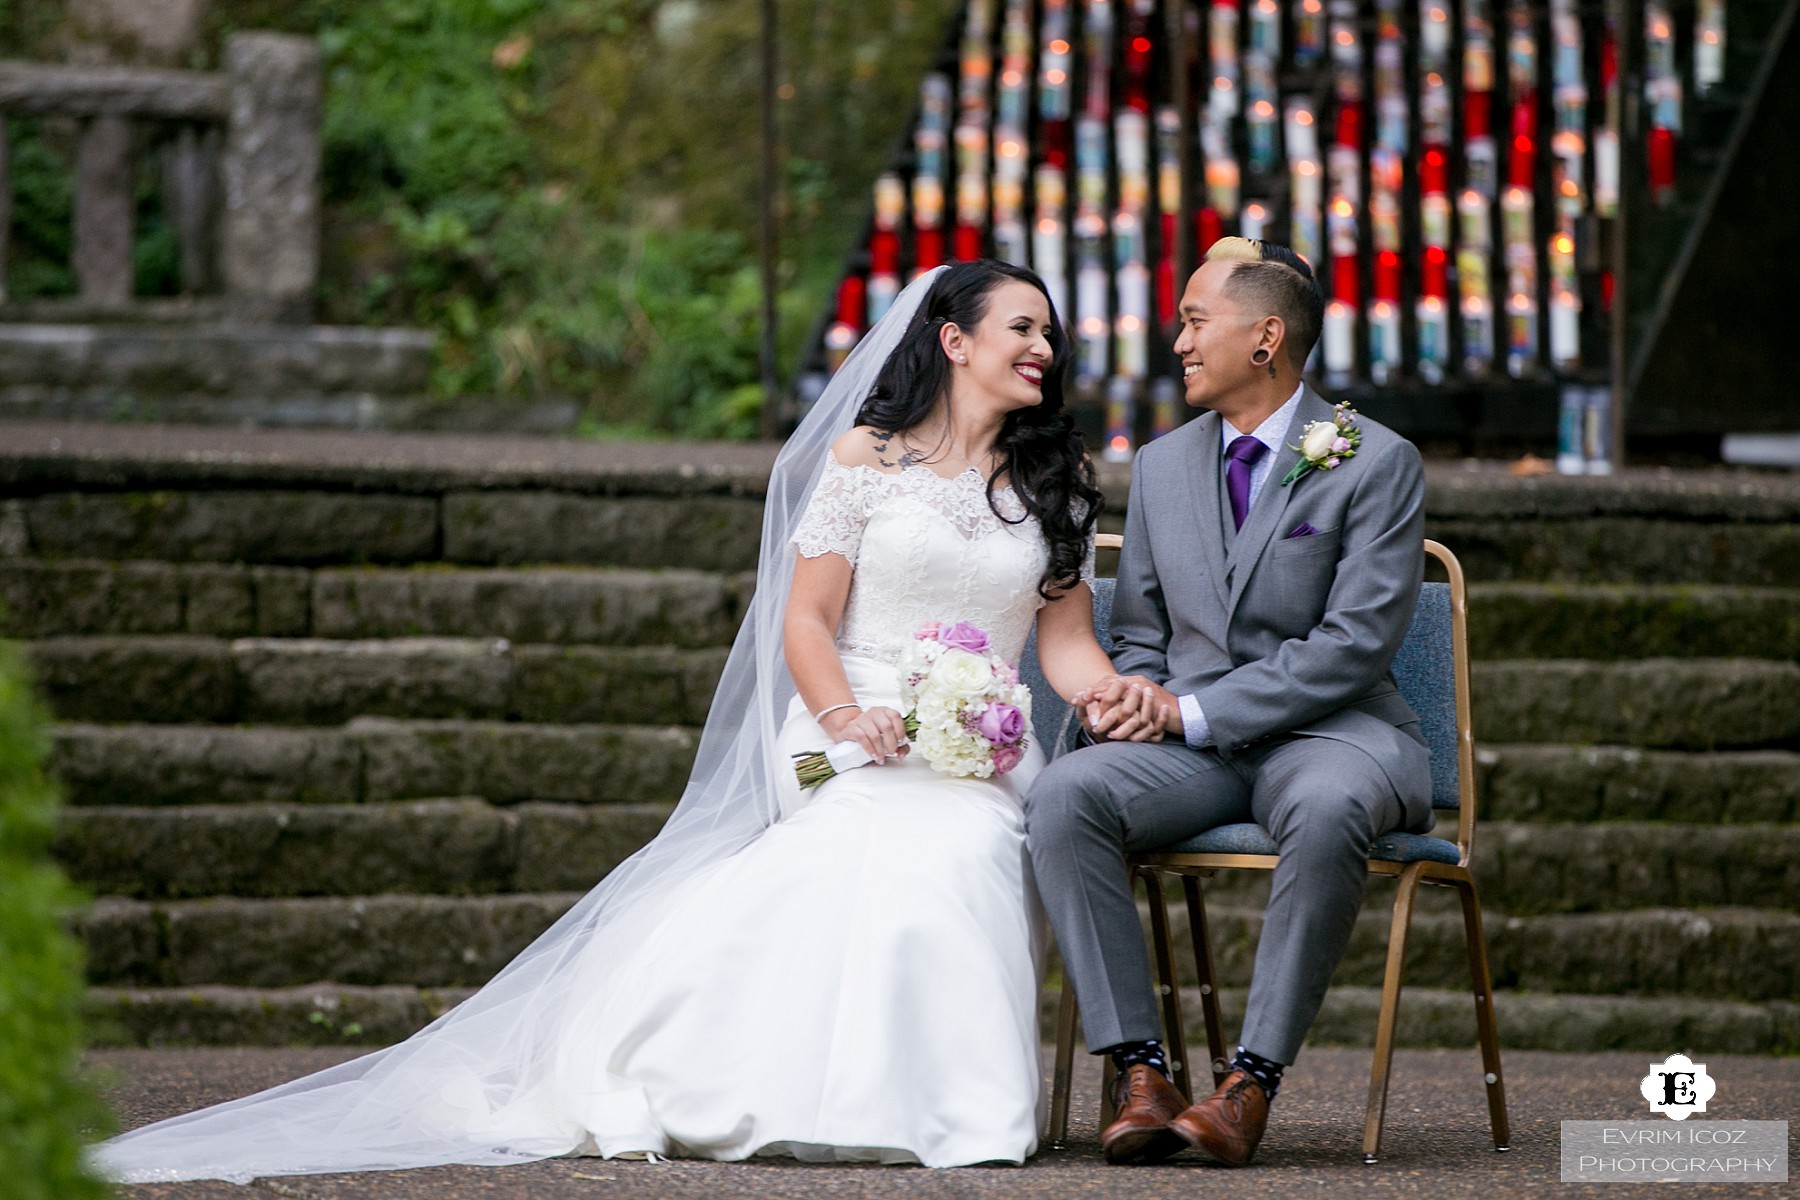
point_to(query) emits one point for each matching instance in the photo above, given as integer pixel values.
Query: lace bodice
(926, 548)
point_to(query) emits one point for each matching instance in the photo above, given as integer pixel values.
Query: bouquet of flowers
(967, 712)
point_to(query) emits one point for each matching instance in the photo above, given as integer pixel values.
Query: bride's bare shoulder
(866, 446)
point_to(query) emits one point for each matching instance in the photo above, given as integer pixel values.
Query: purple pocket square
(1303, 529)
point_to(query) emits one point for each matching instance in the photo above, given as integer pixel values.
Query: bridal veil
(489, 1081)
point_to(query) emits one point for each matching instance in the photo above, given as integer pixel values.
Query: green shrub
(46, 1112)
(565, 191)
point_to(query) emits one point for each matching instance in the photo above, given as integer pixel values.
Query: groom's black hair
(1038, 450)
(1277, 281)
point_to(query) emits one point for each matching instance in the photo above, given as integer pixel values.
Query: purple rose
(964, 636)
(1006, 758)
(1001, 724)
(1340, 446)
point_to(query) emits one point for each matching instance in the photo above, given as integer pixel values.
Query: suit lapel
(1204, 476)
(1265, 515)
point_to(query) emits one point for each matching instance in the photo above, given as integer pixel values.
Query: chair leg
(1203, 969)
(1390, 1014)
(1486, 1028)
(1062, 1075)
(1174, 1028)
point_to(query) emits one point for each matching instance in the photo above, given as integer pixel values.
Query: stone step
(1698, 703)
(316, 681)
(455, 847)
(500, 527)
(428, 941)
(295, 527)
(372, 759)
(1550, 783)
(1621, 621)
(330, 1014)
(444, 941)
(1622, 549)
(1728, 953)
(41, 598)
(1528, 1021)
(1527, 869)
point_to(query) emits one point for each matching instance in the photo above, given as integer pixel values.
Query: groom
(1259, 604)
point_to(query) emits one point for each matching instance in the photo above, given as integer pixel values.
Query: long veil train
(489, 1081)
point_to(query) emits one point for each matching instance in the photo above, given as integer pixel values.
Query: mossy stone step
(459, 846)
(1623, 550)
(444, 941)
(320, 528)
(1686, 703)
(1552, 783)
(1700, 703)
(370, 760)
(1526, 868)
(330, 1014)
(1631, 621)
(41, 598)
(317, 681)
(1726, 953)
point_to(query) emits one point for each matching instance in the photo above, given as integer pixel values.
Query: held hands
(1128, 708)
(879, 731)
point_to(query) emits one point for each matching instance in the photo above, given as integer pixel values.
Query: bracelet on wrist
(821, 714)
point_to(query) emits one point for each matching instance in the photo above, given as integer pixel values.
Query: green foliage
(46, 1112)
(566, 190)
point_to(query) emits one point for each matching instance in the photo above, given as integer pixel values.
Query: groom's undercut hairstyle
(1274, 280)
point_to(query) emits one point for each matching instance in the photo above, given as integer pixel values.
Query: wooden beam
(27, 87)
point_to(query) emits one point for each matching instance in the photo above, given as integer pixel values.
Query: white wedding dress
(857, 982)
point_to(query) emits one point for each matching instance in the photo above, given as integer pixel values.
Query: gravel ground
(1435, 1145)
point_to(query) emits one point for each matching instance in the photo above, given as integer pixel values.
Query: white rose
(962, 673)
(1315, 442)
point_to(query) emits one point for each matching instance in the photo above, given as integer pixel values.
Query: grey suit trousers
(1323, 801)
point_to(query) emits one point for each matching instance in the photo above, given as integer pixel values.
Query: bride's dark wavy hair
(1038, 448)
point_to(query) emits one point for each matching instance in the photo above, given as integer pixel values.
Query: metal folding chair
(1432, 671)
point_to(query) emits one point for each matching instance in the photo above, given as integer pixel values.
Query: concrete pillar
(140, 33)
(5, 198)
(270, 237)
(105, 211)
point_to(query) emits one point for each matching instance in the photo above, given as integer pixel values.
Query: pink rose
(928, 631)
(1341, 446)
(964, 636)
(1001, 724)
(1006, 758)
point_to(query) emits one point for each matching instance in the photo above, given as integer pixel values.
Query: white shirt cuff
(1195, 729)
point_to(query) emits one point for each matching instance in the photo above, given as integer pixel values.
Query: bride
(849, 973)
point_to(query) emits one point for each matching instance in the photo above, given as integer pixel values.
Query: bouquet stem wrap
(969, 714)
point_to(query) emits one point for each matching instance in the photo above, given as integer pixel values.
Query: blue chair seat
(1251, 838)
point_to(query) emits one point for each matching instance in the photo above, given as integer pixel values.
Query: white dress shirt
(1195, 729)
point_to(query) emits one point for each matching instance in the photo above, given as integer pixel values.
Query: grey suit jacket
(1274, 634)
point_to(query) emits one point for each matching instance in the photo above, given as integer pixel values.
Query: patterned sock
(1265, 1071)
(1126, 1055)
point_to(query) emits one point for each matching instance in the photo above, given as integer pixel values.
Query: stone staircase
(342, 724)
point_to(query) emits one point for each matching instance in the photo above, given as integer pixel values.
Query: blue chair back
(1424, 670)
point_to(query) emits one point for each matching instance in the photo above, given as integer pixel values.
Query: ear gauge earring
(1262, 357)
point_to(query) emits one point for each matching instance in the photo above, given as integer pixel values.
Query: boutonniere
(1325, 444)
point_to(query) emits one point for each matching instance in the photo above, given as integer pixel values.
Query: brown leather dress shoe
(1229, 1123)
(1144, 1101)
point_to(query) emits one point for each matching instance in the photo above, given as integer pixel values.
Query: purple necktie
(1243, 455)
